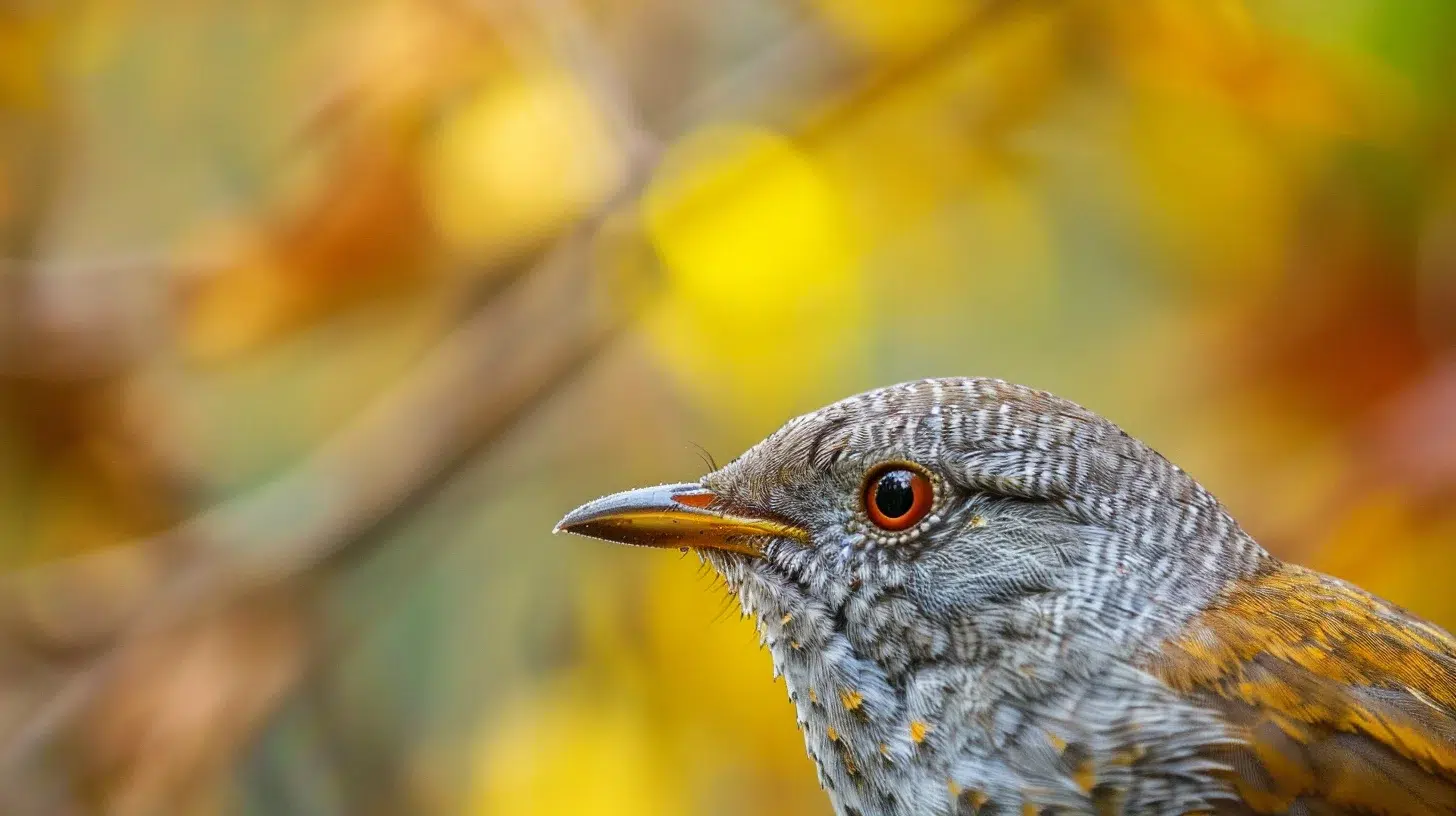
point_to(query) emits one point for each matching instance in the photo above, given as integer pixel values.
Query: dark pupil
(895, 495)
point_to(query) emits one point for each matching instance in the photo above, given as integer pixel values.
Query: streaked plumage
(1074, 626)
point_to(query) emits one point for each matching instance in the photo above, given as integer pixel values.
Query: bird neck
(903, 714)
(895, 707)
(854, 706)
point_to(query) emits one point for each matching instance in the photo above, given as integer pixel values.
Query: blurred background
(315, 317)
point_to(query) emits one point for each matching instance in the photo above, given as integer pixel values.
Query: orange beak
(672, 516)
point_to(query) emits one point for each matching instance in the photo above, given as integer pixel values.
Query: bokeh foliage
(315, 316)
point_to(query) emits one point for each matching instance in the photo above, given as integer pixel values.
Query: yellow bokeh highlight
(748, 206)
(516, 161)
(696, 640)
(570, 752)
(893, 27)
(764, 294)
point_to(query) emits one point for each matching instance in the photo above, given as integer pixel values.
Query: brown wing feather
(1347, 703)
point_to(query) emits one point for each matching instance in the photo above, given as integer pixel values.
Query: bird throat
(852, 709)
(903, 715)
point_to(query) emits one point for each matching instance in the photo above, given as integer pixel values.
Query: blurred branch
(804, 57)
(570, 36)
(481, 380)
(83, 330)
(264, 551)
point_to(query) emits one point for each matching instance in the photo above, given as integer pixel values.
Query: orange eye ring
(897, 497)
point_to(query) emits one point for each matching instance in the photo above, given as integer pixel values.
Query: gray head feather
(991, 653)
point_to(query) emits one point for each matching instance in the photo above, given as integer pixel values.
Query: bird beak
(679, 515)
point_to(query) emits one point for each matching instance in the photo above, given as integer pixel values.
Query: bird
(986, 599)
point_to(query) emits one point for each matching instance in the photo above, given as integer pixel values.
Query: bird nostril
(699, 498)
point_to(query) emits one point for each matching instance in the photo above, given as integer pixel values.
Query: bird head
(935, 564)
(954, 500)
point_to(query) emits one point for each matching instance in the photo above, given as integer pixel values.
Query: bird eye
(896, 497)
